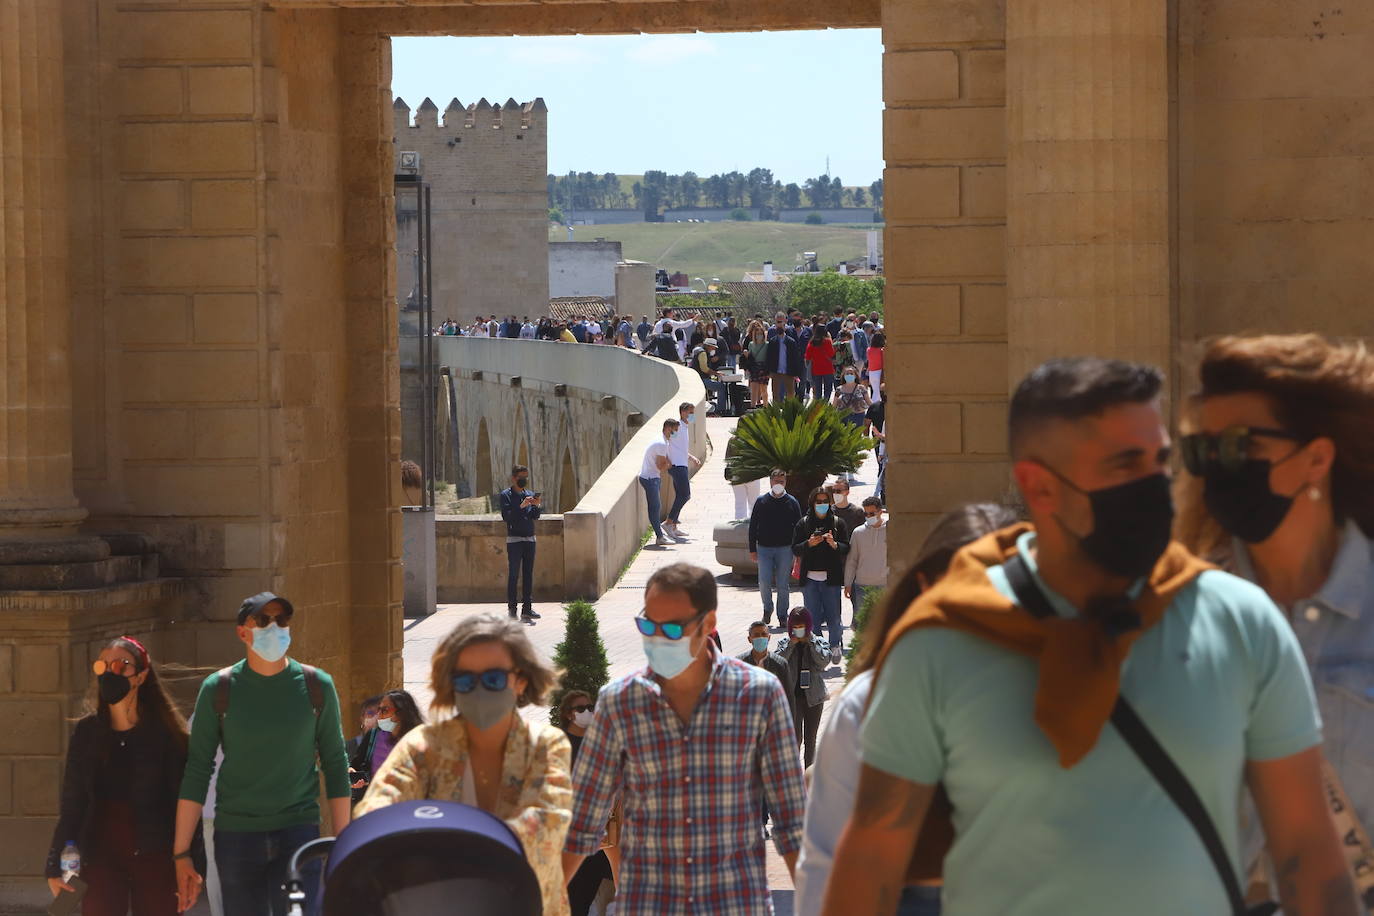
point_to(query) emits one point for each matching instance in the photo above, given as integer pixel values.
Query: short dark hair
(873, 501)
(776, 472)
(697, 582)
(686, 405)
(516, 469)
(371, 702)
(671, 422)
(757, 623)
(1073, 388)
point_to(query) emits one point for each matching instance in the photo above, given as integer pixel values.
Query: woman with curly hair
(1280, 490)
(482, 753)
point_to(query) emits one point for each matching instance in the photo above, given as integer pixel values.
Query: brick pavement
(712, 501)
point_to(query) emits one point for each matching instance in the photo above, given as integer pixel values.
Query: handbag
(1152, 754)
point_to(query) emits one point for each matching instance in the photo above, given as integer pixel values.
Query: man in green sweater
(278, 723)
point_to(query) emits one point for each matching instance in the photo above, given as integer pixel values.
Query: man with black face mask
(1032, 680)
(520, 506)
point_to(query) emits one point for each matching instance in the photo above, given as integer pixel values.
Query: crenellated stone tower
(486, 166)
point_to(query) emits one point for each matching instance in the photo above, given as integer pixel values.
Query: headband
(141, 651)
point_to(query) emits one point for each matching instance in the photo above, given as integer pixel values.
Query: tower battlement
(480, 115)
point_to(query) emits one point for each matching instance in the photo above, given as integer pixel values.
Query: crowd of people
(1087, 704)
(837, 358)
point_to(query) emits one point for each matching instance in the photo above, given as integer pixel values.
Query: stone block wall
(486, 166)
(944, 139)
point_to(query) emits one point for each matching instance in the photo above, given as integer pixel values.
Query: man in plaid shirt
(695, 744)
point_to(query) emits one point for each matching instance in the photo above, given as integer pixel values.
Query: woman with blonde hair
(1280, 491)
(480, 752)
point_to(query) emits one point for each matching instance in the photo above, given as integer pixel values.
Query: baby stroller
(420, 858)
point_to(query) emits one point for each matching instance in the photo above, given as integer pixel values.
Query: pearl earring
(1314, 494)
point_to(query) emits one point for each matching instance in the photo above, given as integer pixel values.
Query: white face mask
(387, 725)
(777, 489)
(841, 499)
(582, 719)
(798, 632)
(873, 521)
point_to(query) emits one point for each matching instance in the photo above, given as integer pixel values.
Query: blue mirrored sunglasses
(673, 630)
(493, 679)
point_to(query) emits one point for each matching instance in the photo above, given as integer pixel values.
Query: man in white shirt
(656, 461)
(681, 462)
(865, 566)
(527, 330)
(669, 325)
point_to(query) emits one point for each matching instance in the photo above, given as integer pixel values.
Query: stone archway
(567, 483)
(484, 483)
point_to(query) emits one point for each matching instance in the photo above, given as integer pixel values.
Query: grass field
(725, 249)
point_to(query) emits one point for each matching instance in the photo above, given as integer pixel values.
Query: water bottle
(70, 861)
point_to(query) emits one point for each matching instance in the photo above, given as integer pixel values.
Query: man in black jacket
(520, 507)
(771, 526)
(783, 361)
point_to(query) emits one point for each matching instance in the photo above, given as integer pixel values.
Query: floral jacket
(536, 789)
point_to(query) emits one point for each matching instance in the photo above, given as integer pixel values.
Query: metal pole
(428, 355)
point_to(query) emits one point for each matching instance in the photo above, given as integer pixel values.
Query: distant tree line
(659, 191)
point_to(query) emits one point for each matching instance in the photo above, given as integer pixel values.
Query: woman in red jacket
(820, 355)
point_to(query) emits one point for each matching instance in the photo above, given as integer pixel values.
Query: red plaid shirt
(692, 838)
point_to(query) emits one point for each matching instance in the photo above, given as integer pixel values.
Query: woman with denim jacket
(1281, 491)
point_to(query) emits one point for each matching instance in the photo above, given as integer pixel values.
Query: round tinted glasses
(674, 630)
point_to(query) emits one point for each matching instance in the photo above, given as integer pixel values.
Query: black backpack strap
(1157, 761)
(223, 685)
(313, 687)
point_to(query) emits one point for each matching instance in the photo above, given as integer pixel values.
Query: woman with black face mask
(1281, 491)
(119, 792)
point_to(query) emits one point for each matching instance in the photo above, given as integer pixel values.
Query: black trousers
(807, 720)
(520, 564)
(587, 881)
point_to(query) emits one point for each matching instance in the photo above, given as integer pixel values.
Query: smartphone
(67, 903)
(806, 679)
(538, 495)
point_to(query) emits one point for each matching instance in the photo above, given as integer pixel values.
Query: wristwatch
(181, 855)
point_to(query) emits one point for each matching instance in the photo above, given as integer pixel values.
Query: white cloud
(667, 49)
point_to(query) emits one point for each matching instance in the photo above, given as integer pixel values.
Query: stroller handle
(295, 885)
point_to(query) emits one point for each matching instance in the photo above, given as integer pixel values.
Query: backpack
(226, 683)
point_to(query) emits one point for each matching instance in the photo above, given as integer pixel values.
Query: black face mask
(112, 687)
(1131, 524)
(522, 482)
(1242, 502)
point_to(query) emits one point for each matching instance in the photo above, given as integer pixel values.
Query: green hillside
(724, 249)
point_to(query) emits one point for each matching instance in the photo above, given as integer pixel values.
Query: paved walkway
(712, 502)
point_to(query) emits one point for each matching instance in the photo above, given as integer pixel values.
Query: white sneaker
(677, 530)
(664, 541)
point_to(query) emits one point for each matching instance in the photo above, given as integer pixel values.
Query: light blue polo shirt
(1219, 680)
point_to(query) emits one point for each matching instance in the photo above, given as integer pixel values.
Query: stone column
(1088, 247)
(37, 502)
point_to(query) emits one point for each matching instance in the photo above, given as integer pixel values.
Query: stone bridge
(580, 417)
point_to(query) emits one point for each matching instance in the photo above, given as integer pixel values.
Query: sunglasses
(493, 679)
(674, 630)
(282, 620)
(120, 666)
(1227, 450)
(581, 707)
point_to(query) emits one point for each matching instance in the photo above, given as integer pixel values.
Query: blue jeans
(775, 569)
(253, 867)
(651, 487)
(682, 491)
(718, 389)
(823, 601)
(822, 386)
(919, 901)
(519, 558)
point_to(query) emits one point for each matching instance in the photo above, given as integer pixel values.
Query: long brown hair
(154, 703)
(408, 713)
(954, 530)
(1316, 388)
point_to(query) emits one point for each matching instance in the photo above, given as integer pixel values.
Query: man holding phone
(520, 506)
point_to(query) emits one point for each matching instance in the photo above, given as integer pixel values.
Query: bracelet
(181, 855)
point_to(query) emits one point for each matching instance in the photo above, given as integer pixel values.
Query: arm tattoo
(1338, 894)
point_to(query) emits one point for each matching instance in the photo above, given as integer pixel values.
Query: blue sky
(708, 103)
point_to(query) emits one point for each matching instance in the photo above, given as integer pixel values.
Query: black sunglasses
(282, 620)
(493, 679)
(581, 707)
(1227, 450)
(673, 630)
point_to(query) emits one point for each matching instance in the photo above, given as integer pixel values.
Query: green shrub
(581, 656)
(740, 215)
(814, 219)
(871, 599)
(808, 442)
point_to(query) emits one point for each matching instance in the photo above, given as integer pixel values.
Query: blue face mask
(271, 642)
(668, 657)
(822, 509)
(760, 643)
